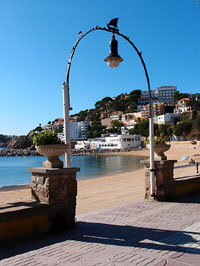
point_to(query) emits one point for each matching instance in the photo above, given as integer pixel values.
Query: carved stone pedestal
(164, 180)
(57, 188)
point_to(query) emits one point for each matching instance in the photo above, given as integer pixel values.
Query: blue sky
(37, 37)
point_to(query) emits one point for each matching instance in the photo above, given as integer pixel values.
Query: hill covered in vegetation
(126, 103)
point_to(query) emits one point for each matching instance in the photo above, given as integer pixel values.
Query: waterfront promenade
(105, 192)
(139, 233)
(115, 226)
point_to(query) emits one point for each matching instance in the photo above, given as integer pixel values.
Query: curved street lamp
(113, 60)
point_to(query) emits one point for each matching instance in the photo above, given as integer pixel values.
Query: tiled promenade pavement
(140, 233)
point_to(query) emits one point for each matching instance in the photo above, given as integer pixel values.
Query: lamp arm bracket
(114, 32)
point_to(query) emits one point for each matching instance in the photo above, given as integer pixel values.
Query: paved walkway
(140, 233)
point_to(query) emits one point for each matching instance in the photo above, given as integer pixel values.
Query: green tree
(116, 126)
(178, 130)
(183, 128)
(133, 130)
(164, 129)
(83, 115)
(93, 115)
(136, 93)
(170, 131)
(141, 128)
(195, 105)
(102, 104)
(178, 95)
(96, 129)
(156, 130)
(197, 123)
(38, 128)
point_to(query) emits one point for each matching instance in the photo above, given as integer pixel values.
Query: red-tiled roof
(184, 99)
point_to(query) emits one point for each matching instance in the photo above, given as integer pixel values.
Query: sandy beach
(108, 191)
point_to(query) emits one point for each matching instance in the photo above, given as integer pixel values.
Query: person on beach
(192, 161)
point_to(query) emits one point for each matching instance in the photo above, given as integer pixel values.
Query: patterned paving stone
(140, 233)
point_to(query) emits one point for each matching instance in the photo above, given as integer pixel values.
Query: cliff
(4, 140)
(22, 142)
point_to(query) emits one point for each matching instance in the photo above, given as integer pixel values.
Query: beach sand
(108, 191)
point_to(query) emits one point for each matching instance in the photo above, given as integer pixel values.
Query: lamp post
(113, 60)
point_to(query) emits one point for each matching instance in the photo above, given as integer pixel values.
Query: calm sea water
(14, 170)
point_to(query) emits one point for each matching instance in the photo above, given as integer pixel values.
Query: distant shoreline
(17, 152)
(6, 152)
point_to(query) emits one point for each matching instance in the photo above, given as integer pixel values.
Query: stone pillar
(57, 187)
(164, 180)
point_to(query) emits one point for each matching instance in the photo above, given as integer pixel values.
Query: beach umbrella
(184, 158)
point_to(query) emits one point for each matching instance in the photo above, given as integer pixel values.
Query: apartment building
(145, 95)
(83, 128)
(161, 94)
(74, 130)
(78, 130)
(158, 109)
(166, 93)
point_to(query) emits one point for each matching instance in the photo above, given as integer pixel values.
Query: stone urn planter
(52, 152)
(159, 150)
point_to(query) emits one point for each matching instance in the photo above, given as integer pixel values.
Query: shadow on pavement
(107, 234)
(20, 204)
(194, 197)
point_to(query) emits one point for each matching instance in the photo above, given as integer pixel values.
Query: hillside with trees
(125, 103)
(106, 107)
(182, 128)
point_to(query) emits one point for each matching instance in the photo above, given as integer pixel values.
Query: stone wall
(57, 188)
(166, 187)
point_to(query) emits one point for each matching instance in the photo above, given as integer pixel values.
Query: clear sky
(36, 38)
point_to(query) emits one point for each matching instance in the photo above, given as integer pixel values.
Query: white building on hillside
(83, 129)
(74, 130)
(78, 130)
(166, 118)
(183, 106)
(118, 142)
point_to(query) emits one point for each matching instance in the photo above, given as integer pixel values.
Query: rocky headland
(18, 152)
(17, 146)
